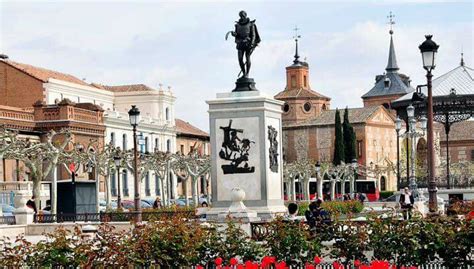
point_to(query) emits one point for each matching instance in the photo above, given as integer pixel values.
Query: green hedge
(334, 207)
(386, 194)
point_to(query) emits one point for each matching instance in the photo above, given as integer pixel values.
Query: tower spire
(462, 56)
(392, 65)
(296, 37)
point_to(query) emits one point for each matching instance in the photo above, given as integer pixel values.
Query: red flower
(240, 266)
(310, 266)
(233, 261)
(218, 261)
(380, 265)
(268, 260)
(357, 263)
(337, 265)
(199, 267)
(317, 260)
(281, 265)
(251, 265)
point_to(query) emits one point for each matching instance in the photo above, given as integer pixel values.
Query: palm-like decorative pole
(40, 159)
(7, 142)
(102, 163)
(159, 162)
(196, 166)
(179, 167)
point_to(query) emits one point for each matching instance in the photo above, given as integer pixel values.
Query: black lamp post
(117, 161)
(398, 127)
(134, 116)
(428, 51)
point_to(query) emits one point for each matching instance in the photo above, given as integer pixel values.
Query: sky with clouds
(181, 43)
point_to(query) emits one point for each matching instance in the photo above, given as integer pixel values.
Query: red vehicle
(365, 186)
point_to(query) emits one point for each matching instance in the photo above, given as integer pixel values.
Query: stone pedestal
(244, 84)
(245, 129)
(23, 214)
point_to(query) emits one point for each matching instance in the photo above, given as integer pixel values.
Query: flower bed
(174, 243)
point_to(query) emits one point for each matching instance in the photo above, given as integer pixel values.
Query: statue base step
(244, 84)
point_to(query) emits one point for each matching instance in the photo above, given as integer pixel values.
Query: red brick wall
(17, 88)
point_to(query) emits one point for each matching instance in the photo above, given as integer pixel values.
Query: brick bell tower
(301, 103)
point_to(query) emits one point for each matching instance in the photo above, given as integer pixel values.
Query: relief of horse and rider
(236, 150)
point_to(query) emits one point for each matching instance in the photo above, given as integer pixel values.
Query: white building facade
(156, 130)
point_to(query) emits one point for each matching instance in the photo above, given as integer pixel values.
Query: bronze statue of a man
(246, 38)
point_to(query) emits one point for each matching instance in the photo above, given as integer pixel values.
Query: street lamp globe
(428, 51)
(398, 124)
(317, 166)
(134, 116)
(424, 123)
(354, 163)
(117, 160)
(90, 167)
(410, 111)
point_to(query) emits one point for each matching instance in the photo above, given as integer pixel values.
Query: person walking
(406, 203)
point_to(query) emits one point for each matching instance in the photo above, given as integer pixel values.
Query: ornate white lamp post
(411, 134)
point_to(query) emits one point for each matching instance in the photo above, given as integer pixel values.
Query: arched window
(124, 142)
(147, 146)
(125, 183)
(293, 81)
(168, 145)
(383, 183)
(157, 144)
(147, 184)
(167, 114)
(113, 184)
(157, 185)
(112, 138)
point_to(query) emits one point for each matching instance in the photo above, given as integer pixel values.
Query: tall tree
(339, 142)
(349, 139)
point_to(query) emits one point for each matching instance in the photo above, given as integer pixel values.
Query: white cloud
(182, 44)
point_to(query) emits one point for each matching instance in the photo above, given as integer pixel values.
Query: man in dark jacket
(406, 203)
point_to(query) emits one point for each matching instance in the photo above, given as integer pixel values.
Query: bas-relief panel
(249, 180)
(273, 176)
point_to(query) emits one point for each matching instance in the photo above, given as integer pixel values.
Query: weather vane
(391, 22)
(296, 36)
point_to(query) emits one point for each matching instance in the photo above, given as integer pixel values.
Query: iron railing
(112, 216)
(329, 265)
(7, 220)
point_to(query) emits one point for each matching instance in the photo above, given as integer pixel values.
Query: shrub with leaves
(109, 248)
(62, 248)
(169, 243)
(237, 243)
(457, 243)
(14, 254)
(351, 241)
(291, 241)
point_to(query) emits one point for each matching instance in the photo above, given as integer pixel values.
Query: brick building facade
(308, 126)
